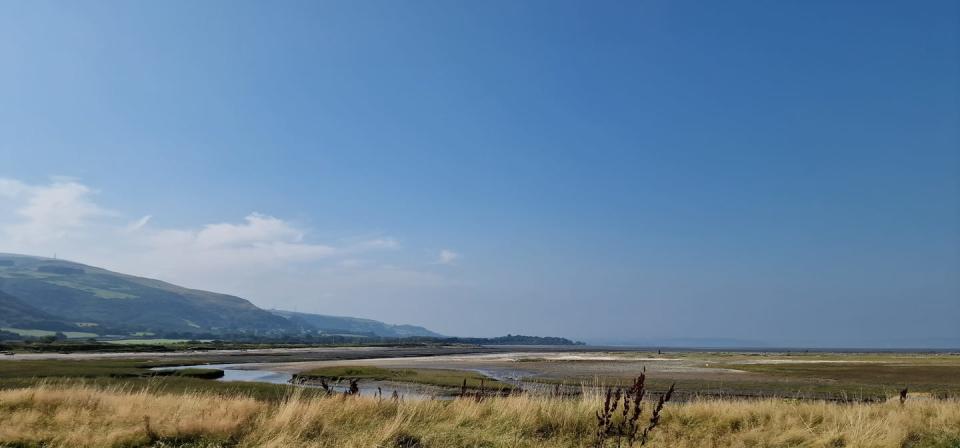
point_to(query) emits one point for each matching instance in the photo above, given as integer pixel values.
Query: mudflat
(824, 375)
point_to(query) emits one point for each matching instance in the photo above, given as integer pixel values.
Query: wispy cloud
(49, 212)
(448, 256)
(256, 229)
(259, 255)
(138, 224)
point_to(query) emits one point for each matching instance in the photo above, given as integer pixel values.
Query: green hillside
(53, 294)
(16, 314)
(353, 325)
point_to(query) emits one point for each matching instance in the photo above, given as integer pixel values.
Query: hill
(57, 295)
(16, 314)
(51, 294)
(353, 325)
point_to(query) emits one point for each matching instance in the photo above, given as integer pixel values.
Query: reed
(84, 415)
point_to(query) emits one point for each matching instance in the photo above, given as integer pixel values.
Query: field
(149, 341)
(88, 416)
(722, 399)
(42, 333)
(432, 377)
(830, 376)
(127, 374)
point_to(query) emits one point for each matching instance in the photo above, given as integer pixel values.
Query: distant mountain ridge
(354, 325)
(58, 295)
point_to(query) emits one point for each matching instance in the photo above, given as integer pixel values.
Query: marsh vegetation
(90, 416)
(721, 400)
(433, 377)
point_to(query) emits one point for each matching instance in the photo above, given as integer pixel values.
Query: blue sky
(780, 172)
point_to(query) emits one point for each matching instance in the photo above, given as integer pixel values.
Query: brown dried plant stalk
(623, 428)
(655, 418)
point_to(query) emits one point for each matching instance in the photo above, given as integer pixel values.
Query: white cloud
(352, 263)
(379, 243)
(448, 256)
(49, 212)
(262, 257)
(257, 229)
(10, 188)
(259, 241)
(138, 224)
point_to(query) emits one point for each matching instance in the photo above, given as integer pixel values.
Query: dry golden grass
(87, 416)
